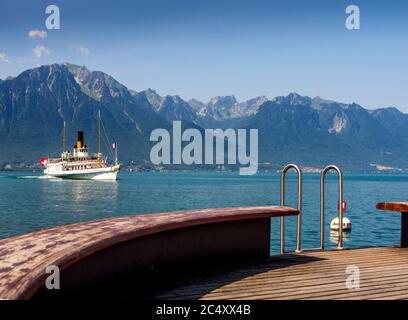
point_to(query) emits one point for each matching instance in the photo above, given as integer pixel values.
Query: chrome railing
(340, 205)
(299, 207)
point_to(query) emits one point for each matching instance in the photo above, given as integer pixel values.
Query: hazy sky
(200, 48)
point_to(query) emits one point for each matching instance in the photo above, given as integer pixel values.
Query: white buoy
(334, 225)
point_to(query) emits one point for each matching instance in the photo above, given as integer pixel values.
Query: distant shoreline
(305, 170)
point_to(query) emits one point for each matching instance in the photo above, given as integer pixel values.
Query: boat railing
(54, 160)
(74, 159)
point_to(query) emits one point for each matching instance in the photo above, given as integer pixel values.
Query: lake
(28, 202)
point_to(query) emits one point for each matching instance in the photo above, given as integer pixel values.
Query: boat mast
(99, 135)
(64, 137)
(116, 153)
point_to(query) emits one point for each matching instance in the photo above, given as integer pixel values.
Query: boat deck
(313, 275)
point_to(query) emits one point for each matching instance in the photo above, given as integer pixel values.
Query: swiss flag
(44, 161)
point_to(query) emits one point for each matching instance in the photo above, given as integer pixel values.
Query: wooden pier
(220, 253)
(314, 275)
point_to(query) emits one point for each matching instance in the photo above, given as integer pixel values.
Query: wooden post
(401, 207)
(404, 229)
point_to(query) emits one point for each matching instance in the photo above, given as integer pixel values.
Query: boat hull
(109, 173)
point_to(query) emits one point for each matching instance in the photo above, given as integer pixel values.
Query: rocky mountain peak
(97, 84)
(223, 102)
(293, 99)
(197, 105)
(153, 97)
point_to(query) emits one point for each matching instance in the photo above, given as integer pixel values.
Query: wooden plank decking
(112, 243)
(314, 275)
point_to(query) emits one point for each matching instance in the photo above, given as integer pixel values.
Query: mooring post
(404, 229)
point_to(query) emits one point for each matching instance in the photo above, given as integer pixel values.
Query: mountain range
(293, 128)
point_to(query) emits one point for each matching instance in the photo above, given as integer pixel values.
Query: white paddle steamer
(81, 164)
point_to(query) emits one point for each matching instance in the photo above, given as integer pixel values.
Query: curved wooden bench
(23, 259)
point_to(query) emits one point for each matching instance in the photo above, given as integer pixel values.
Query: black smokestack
(80, 141)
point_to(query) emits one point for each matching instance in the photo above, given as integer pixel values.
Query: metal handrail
(340, 175)
(299, 207)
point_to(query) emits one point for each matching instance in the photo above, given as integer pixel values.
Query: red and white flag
(113, 146)
(344, 206)
(44, 161)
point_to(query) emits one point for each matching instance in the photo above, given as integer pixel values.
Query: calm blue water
(29, 203)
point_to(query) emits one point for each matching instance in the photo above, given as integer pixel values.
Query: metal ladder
(299, 207)
(340, 205)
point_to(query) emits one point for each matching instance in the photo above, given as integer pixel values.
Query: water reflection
(334, 236)
(78, 192)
